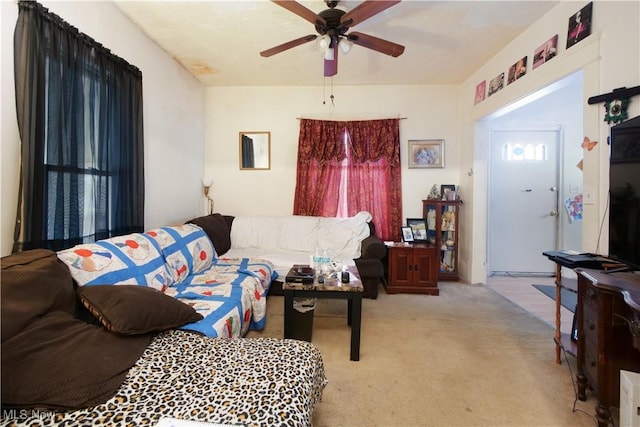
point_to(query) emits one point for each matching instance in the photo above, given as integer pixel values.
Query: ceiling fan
(332, 25)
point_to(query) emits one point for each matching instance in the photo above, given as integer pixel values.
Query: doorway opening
(535, 180)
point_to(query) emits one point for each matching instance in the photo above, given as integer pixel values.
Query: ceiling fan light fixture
(324, 42)
(332, 26)
(345, 45)
(329, 54)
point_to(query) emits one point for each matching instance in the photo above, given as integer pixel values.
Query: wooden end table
(332, 289)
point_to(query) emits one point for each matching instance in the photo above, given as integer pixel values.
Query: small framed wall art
(579, 25)
(426, 153)
(517, 70)
(481, 92)
(545, 52)
(496, 84)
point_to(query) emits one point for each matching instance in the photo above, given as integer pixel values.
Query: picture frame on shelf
(418, 228)
(426, 153)
(448, 191)
(407, 234)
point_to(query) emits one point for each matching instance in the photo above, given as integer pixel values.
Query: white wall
(431, 113)
(173, 115)
(609, 58)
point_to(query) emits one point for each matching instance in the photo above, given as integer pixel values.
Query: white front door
(523, 201)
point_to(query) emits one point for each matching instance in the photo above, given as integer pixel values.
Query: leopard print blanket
(244, 381)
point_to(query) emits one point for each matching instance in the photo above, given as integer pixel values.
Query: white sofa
(292, 239)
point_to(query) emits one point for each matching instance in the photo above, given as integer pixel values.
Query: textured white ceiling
(220, 41)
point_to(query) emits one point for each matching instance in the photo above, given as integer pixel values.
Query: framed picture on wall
(481, 92)
(496, 84)
(517, 70)
(579, 25)
(545, 52)
(426, 153)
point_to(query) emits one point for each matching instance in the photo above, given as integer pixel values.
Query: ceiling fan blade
(365, 10)
(288, 45)
(374, 43)
(301, 11)
(331, 65)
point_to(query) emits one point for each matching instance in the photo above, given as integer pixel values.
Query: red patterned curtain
(374, 174)
(320, 151)
(373, 171)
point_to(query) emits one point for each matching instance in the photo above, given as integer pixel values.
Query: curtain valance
(369, 140)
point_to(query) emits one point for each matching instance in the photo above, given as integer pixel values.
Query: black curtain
(79, 111)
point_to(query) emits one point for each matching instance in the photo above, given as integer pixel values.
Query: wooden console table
(571, 261)
(608, 320)
(562, 340)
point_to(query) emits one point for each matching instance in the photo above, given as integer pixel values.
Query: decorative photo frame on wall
(481, 92)
(517, 70)
(579, 25)
(407, 234)
(426, 153)
(496, 84)
(545, 52)
(418, 228)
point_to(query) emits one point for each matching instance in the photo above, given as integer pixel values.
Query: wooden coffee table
(332, 289)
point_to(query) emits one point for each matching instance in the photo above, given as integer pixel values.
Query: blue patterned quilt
(181, 262)
(231, 296)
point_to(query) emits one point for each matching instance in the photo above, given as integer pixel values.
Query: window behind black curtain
(79, 111)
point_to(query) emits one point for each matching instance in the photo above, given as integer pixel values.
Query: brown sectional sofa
(111, 355)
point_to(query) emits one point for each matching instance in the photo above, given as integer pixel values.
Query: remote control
(345, 277)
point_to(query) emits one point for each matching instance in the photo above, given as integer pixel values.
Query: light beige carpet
(468, 357)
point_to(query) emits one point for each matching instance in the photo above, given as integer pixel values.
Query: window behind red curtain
(364, 156)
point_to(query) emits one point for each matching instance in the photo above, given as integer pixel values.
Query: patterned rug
(569, 298)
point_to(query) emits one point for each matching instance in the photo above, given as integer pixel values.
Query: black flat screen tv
(624, 193)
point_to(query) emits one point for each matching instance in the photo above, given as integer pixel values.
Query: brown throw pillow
(131, 309)
(34, 283)
(58, 361)
(217, 229)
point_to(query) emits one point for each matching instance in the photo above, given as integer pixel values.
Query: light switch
(589, 197)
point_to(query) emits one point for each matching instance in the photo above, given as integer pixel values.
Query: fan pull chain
(324, 93)
(333, 104)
